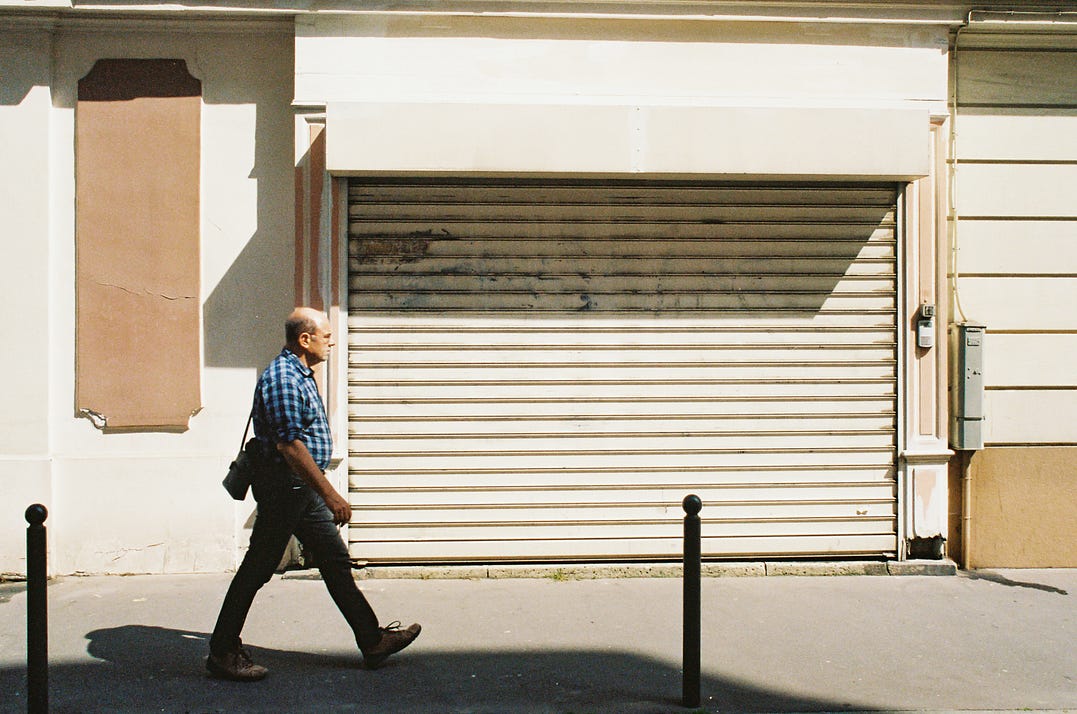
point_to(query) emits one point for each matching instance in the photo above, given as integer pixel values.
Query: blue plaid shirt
(287, 406)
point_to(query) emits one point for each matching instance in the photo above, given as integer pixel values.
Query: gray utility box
(967, 387)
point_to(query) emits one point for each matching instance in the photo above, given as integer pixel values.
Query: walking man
(295, 498)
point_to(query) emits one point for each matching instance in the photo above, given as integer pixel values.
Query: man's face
(318, 343)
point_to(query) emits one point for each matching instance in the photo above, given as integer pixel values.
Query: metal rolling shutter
(542, 371)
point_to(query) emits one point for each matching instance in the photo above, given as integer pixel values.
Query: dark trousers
(284, 509)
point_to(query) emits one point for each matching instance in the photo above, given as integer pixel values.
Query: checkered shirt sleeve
(289, 407)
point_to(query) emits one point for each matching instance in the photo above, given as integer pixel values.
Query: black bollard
(692, 557)
(37, 612)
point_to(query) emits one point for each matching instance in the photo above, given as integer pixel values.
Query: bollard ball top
(692, 505)
(36, 514)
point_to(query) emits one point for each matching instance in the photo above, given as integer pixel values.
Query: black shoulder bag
(241, 471)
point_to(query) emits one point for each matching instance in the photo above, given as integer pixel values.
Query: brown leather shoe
(236, 666)
(393, 639)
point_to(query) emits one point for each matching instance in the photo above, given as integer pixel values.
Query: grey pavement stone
(725, 570)
(423, 572)
(827, 568)
(922, 567)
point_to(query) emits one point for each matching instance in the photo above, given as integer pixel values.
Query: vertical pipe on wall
(954, 160)
(903, 375)
(966, 508)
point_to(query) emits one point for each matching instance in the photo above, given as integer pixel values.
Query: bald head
(302, 319)
(308, 335)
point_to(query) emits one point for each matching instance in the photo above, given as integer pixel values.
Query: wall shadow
(243, 316)
(146, 668)
(743, 254)
(12, 94)
(22, 66)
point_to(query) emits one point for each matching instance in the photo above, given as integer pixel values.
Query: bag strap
(246, 429)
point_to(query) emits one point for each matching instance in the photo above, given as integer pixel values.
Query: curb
(922, 567)
(642, 570)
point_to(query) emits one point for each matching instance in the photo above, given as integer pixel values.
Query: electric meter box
(967, 384)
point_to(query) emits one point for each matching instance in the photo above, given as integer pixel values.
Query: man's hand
(342, 510)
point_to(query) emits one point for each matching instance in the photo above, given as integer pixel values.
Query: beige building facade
(582, 262)
(1012, 270)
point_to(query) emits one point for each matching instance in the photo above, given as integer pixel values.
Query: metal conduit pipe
(966, 486)
(966, 507)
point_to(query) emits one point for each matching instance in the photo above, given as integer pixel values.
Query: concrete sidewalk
(1001, 640)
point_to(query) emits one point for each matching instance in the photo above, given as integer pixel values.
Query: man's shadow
(142, 668)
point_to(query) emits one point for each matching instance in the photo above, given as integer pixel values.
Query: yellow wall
(1022, 513)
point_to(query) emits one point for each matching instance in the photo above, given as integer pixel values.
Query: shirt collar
(294, 360)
